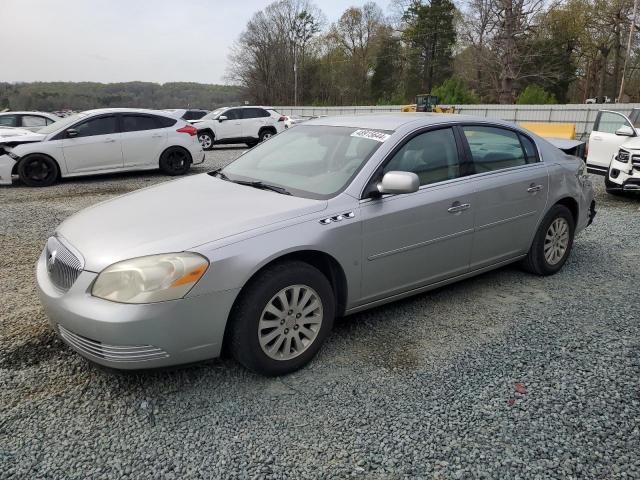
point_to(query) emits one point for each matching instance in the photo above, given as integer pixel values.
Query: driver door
(97, 145)
(231, 127)
(610, 131)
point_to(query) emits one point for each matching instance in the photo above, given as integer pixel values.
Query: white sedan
(100, 141)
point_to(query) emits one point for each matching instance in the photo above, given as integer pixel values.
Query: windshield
(313, 161)
(62, 123)
(214, 114)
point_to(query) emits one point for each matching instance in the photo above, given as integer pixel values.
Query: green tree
(535, 95)
(454, 91)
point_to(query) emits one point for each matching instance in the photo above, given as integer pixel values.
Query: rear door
(97, 146)
(610, 131)
(253, 120)
(143, 139)
(511, 186)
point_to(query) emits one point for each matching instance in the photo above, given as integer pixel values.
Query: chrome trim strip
(418, 245)
(505, 220)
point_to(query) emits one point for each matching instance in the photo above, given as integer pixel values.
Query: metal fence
(582, 115)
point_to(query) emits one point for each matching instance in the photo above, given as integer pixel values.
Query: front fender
(6, 167)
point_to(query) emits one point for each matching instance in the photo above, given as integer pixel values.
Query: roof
(393, 121)
(24, 112)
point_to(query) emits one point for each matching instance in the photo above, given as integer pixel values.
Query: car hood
(175, 216)
(21, 138)
(633, 143)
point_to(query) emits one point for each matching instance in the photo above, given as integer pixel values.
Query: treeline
(493, 51)
(50, 96)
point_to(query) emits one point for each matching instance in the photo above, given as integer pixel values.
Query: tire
(252, 325)
(266, 134)
(548, 252)
(613, 188)
(38, 170)
(175, 161)
(206, 139)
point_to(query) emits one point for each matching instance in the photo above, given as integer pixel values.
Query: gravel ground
(506, 375)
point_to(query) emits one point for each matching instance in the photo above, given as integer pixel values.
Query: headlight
(155, 278)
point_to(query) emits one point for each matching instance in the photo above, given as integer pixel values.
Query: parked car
(614, 150)
(332, 217)
(291, 120)
(32, 121)
(603, 99)
(249, 125)
(186, 114)
(100, 141)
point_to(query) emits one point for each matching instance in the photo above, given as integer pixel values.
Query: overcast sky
(123, 40)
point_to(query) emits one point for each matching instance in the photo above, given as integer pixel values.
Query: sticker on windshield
(371, 135)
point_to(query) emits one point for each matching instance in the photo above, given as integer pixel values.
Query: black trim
(62, 135)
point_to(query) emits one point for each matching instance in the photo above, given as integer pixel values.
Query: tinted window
(33, 121)
(529, 149)
(194, 114)
(433, 156)
(165, 122)
(609, 122)
(8, 120)
(494, 148)
(233, 114)
(254, 113)
(134, 123)
(97, 126)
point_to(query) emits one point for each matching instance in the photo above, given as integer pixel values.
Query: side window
(33, 121)
(433, 156)
(529, 149)
(165, 122)
(135, 123)
(97, 126)
(494, 148)
(234, 114)
(49, 121)
(8, 120)
(248, 113)
(261, 113)
(609, 122)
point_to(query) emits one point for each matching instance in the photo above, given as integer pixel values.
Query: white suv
(248, 125)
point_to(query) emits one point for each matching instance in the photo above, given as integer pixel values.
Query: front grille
(113, 353)
(63, 266)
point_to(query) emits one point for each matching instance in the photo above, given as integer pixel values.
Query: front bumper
(625, 175)
(6, 166)
(127, 336)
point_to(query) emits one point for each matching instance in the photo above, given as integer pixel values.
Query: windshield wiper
(263, 186)
(254, 183)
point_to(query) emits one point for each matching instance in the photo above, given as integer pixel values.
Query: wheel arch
(324, 262)
(573, 207)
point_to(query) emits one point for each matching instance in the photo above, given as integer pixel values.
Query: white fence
(582, 115)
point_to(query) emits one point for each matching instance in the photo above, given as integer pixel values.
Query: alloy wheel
(556, 241)
(38, 170)
(205, 140)
(290, 322)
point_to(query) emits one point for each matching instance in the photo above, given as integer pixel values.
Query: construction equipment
(427, 103)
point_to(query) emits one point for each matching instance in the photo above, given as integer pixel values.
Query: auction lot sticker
(371, 135)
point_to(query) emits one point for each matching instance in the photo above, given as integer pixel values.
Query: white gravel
(506, 375)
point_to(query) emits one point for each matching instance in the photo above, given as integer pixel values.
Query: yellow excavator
(427, 103)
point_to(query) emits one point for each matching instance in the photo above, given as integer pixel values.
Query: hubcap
(205, 141)
(290, 322)
(266, 136)
(556, 241)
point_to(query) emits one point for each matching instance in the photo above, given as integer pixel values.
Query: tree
(535, 95)
(454, 91)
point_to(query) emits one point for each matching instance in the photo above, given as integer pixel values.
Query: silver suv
(249, 125)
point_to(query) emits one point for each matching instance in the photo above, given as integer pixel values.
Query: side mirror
(399, 182)
(222, 118)
(72, 132)
(625, 131)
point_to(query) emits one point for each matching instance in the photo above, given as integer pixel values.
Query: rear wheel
(266, 135)
(282, 318)
(38, 171)
(206, 140)
(553, 242)
(175, 161)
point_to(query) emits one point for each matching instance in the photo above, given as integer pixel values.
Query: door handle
(534, 188)
(458, 207)
(157, 136)
(109, 140)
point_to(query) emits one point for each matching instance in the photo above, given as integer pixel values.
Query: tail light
(282, 119)
(189, 129)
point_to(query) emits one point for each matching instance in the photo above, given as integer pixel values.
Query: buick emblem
(51, 260)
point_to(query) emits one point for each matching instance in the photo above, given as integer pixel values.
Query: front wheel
(553, 242)
(266, 135)
(38, 171)
(282, 319)
(175, 161)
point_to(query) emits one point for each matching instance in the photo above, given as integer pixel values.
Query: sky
(124, 40)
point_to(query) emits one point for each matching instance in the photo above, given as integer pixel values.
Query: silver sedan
(332, 217)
